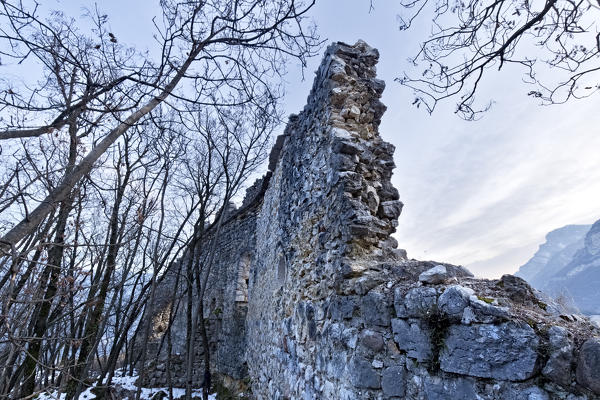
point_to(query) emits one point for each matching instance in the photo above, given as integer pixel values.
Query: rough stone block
(363, 375)
(443, 389)
(588, 365)
(530, 393)
(344, 162)
(558, 366)
(342, 307)
(390, 209)
(393, 381)
(486, 313)
(352, 181)
(388, 192)
(371, 340)
(435, 275)
(374, 309)
(454, 300)
(507, 351)
(347, 147)
(416, 303)
(517, 289)
(412, 338)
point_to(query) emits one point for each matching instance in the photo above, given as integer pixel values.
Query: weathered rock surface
(588, 367)
(435, 275)
(505, 352)
(393, 381)
(413, 338)
(310, 299)
(560, 349)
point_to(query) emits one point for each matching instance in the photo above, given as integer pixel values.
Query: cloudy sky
(482, 194)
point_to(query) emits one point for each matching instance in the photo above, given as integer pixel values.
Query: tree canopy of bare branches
(213, 53)
(112, 163)
(556, 42)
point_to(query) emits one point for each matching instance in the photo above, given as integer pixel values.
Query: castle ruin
(310, 298)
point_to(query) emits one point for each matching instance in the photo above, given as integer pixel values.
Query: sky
(480, 194)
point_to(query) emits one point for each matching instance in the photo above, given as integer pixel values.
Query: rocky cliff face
(580, 278)
(554, 254)
(314, 300)
(568, 265)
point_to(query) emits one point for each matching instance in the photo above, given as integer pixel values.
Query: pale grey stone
(435, 275)
(350, 337)
(468, 316)
(530, 393)
(487, 313)
(454, 300)
(443, 389)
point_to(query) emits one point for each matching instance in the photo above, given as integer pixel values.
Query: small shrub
(488, 300)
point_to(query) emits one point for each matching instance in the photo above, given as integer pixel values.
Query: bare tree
(556, 42)
(113, 165)
(215, 53)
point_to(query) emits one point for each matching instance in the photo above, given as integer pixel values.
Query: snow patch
(124, 381)
(85, 395)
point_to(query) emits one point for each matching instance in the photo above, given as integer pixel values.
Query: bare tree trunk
(192, 323)
(202, 291)
(55, 257)
(148, 321)
(51, 272)
(89, 339)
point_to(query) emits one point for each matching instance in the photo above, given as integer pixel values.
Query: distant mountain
(558, 250)
(581, 277)
(568, 264)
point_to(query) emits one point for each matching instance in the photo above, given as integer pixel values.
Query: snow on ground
(127, 383)
(85, 395)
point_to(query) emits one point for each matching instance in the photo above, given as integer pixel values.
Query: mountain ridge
(568, 265)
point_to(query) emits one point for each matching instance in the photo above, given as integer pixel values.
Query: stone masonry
(311, 299)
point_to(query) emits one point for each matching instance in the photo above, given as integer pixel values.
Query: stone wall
(315, 302)
(225, 308)
(326, 219)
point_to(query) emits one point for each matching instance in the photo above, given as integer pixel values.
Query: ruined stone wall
(335, 311)
(326, 217)
(225, 306)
